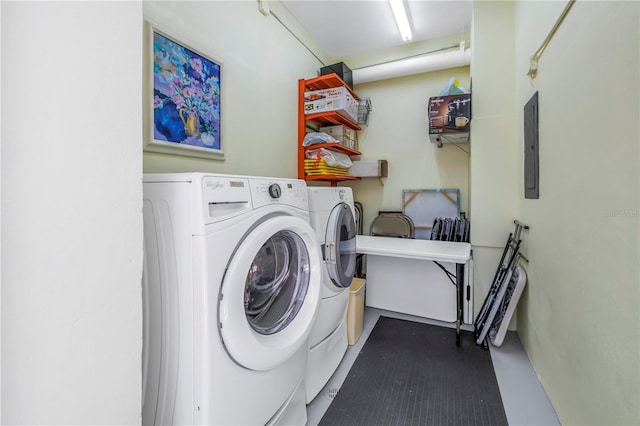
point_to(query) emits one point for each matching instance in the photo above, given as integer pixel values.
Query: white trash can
(355, 310)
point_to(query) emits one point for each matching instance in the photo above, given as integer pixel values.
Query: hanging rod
(265, 9)
(533, 68)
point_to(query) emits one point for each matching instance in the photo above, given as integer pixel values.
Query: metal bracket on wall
(263, 8)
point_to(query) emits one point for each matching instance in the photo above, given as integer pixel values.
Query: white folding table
(439, 251)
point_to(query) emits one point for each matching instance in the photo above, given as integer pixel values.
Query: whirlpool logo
(214, 184)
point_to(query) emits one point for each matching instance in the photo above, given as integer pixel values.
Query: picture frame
(182, 97)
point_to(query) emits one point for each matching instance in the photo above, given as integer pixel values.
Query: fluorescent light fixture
(397, 6)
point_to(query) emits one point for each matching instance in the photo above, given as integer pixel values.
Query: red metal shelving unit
(322, 118)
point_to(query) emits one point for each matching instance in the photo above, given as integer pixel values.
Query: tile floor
(525, 401)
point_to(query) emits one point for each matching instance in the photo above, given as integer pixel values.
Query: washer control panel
(269, 191)
(224, 197)
(275, 191)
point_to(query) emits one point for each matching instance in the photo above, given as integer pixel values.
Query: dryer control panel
(324, 198)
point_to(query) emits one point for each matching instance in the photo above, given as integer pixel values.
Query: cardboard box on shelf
(369, 168)
(450, 118)
(334, 99)
(347, 137)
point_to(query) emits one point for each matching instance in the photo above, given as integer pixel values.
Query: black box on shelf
(343, 71)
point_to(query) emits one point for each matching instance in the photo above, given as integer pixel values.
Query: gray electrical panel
(531, 154)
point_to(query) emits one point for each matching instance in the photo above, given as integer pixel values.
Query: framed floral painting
(182, 98)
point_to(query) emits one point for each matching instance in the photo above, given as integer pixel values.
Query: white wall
(493, 163)
(579, 315)
(262, 63)
(579, 318)
(0, 228)
(71, 212)
(398, 132)
(493, 190)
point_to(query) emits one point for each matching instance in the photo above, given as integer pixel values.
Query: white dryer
(231, 289)
(332, 217)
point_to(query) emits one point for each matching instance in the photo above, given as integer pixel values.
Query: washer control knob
(275, 191)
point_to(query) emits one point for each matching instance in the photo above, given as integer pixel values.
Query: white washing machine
(231, 289)
(332, 217)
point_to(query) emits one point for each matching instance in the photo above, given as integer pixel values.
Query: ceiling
(351, 27)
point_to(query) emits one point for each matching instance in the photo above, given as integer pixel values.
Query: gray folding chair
(392, 225)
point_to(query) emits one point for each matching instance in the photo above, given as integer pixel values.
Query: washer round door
(270, 293)
(340, 245)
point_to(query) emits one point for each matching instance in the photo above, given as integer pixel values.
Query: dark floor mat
(410, 373)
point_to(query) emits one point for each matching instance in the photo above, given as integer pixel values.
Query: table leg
(459, 299)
